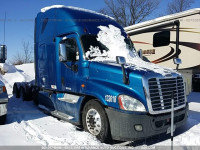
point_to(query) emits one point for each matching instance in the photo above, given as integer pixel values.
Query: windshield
(111, 42)
(94, 48)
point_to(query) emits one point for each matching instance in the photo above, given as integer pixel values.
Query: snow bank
(43, 10)
(20, 73)
(112, 38)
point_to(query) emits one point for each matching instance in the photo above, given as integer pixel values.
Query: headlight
(130, 104)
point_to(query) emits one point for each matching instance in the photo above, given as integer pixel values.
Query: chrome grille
(161, 93)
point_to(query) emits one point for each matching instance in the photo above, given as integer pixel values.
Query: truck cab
(88, 73)
(3, 91)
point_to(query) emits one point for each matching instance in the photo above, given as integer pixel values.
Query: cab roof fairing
(72, 19)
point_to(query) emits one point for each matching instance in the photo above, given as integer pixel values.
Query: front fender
(107, 92)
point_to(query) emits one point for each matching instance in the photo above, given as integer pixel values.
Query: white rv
(189, 42)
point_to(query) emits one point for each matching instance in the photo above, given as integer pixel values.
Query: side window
(161, 39)
(68, 50)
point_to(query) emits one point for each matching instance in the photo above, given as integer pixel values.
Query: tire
(34, 94)
(22, 94)
(95, 121)
(16, 91)
(2, 119)
(31, 92)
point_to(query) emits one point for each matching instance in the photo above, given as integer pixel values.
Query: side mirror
(140, 53)
(177, 61)
(62, 52)
(120, 60)
(3, 53)
(161, 39)
(68, 50)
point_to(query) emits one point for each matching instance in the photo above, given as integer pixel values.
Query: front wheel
(95, 120)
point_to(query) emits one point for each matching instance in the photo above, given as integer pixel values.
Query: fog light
(138, 127)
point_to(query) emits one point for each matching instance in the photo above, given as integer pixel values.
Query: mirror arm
(121, 60)
(177, 67)
(125, 77)
(177, 23)
(140, 53)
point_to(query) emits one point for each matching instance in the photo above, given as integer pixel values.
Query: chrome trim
(151, 75)
(160, 93)
(93, 121)
(3, 100)
(69, 98)
(61, 115)
(3, 109)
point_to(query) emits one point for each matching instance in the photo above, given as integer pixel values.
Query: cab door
(69, 49)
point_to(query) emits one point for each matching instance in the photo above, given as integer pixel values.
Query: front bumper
(3, 104)
(3, 109)
(122, 124)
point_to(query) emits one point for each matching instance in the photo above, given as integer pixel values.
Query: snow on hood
(112, 38)
(43, 10)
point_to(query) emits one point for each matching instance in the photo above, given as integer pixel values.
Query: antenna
(4, 38)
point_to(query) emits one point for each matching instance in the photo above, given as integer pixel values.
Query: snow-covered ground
(27, 125)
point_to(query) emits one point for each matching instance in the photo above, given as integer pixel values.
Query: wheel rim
(93, 121)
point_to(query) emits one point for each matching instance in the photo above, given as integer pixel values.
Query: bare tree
(25, 56)
(129, 12)
(27, 51)
(176, 6)
(17, 59)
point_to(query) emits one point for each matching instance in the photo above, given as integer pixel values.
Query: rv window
(68, 50)
(161, 39)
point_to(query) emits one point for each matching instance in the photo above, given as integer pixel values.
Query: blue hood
(107, 79)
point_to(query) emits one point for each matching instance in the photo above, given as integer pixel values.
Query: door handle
(74, 67)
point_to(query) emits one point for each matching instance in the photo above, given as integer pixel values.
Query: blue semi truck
(109, 98)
